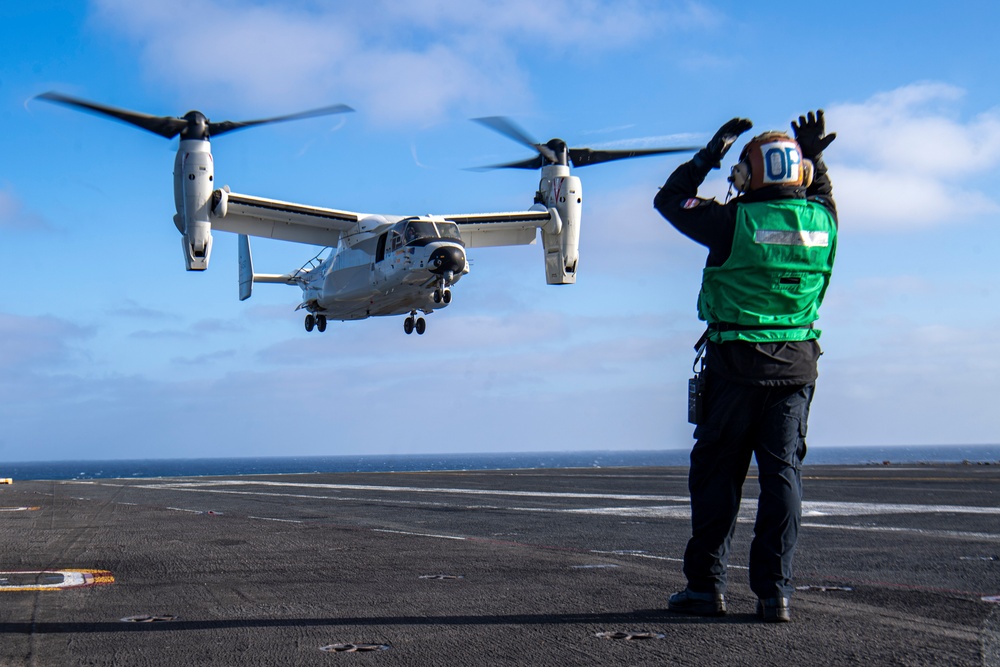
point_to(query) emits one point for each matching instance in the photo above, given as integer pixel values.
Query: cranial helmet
(772, 158)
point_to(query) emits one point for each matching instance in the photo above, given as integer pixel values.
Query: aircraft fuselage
(405, 268)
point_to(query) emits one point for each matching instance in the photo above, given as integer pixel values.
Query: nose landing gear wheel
(442, 293)
(321, 323)
(310, 322)
(421, 326)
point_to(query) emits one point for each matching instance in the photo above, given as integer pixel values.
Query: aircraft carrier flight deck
(896, 565)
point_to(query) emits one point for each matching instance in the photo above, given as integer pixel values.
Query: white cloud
(396, 60)
(914, 383)
(887, 199)
(30, 343)
(623, 235)
(906, 157)
(559, 22)
(527, 381)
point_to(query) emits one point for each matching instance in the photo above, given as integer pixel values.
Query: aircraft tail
(246, 268)
(248, 277)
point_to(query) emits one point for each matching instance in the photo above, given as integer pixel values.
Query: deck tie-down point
(353, 648)
(630, 636)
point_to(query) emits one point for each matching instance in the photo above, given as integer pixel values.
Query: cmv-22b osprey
(379, 264)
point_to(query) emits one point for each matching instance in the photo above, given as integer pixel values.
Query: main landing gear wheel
(317, 322)
(411, 323)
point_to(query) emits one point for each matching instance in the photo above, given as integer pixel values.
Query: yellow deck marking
(52, 580)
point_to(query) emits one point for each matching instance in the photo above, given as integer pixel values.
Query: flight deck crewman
(770, 257)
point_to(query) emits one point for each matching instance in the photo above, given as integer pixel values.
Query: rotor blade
(511, 130)
(507, 128)
(215, 129)
(165, 126)
(581, 157)
(536, 162)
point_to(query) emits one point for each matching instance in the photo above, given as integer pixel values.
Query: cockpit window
(419, 230)
(449, 230)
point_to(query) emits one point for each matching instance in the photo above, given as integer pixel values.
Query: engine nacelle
(194, 177)
(197, 244)
(563, 195)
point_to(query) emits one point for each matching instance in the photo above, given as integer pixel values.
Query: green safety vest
(773, 283)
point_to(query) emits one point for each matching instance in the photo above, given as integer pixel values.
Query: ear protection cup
(739, 176)
(808, 171)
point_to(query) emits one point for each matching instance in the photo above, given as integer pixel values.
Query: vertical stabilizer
(246, 268)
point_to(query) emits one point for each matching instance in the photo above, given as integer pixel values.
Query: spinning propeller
(192, 125)
(555, 151)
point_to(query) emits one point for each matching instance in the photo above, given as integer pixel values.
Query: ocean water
(62, 470)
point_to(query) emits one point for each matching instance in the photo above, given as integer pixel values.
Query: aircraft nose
(447, 258)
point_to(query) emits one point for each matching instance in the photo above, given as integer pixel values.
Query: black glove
(712, 154)
(810, 132)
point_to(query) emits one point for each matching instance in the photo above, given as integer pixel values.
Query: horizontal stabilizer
(280, 278)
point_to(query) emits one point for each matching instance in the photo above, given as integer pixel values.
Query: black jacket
(713, 225)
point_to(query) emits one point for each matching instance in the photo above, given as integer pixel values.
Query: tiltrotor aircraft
(379, 264)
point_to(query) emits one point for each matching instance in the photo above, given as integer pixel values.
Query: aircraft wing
(482, 230)
(274, 219)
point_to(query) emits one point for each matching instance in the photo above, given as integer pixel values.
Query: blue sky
(109, 349)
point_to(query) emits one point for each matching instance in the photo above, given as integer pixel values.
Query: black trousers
(740, 421)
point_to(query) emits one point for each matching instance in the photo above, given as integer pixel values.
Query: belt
(729, 326)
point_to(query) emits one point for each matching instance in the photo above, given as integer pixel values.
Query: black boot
(697, 604)
(774, 610)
